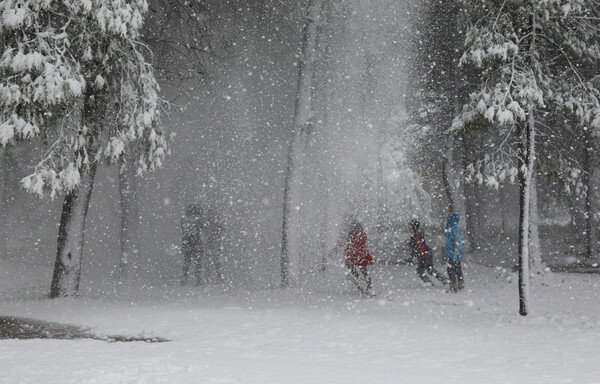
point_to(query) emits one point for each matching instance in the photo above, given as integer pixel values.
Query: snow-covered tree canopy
(534, 54)
(533, 57)
(73, 73)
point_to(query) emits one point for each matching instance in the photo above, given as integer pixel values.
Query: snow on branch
(74, 74)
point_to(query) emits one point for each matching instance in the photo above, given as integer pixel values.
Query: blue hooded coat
(454, 247)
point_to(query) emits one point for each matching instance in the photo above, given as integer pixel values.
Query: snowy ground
(316, 334)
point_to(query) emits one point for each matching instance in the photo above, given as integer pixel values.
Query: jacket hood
(414, 224)
(452, 219)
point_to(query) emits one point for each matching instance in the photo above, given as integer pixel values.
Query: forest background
(391, 129)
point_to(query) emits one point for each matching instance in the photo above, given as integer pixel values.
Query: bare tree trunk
(527, 161)
(292, 196)
(471, 192)
(503, 208)
(588, 213)
(3, 202)
(447, 171)
(323, 234)
(67, 267)
(535, 246)
(9, 165)
(4, 173)
(129, 217)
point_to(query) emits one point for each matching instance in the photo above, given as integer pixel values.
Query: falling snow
(228, 146)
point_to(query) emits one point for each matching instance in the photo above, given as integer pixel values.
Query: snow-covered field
(320, 333)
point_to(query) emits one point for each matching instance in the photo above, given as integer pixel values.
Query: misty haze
(315, 191)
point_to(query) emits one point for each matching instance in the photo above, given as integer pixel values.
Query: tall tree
(4, 202)
(525, 53)
(292, 198)
(73, 73)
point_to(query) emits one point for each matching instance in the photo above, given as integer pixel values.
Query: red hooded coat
(356, 249)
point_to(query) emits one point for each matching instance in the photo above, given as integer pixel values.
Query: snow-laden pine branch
(57, 58)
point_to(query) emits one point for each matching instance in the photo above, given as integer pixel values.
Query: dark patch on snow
(574, 268)
(22, 328)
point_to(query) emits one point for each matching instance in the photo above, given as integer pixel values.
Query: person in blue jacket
(454, 249)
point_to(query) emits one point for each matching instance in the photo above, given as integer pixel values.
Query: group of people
(357, 256)
(453, 251)
(202, 232)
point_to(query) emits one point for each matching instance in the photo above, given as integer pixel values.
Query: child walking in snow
(421, 251)
(357, 256)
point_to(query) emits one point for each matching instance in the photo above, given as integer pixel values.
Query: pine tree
(73, 74)
(529, 56)
(438, 88)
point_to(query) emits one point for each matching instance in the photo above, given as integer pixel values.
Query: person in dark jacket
(454, 249)
(421, 251)
(192, 243)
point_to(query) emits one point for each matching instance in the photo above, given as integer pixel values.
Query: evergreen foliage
(61, 58)
(530, 57)
(531, 54)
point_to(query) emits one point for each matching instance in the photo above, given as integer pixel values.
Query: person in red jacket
(357, 256)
